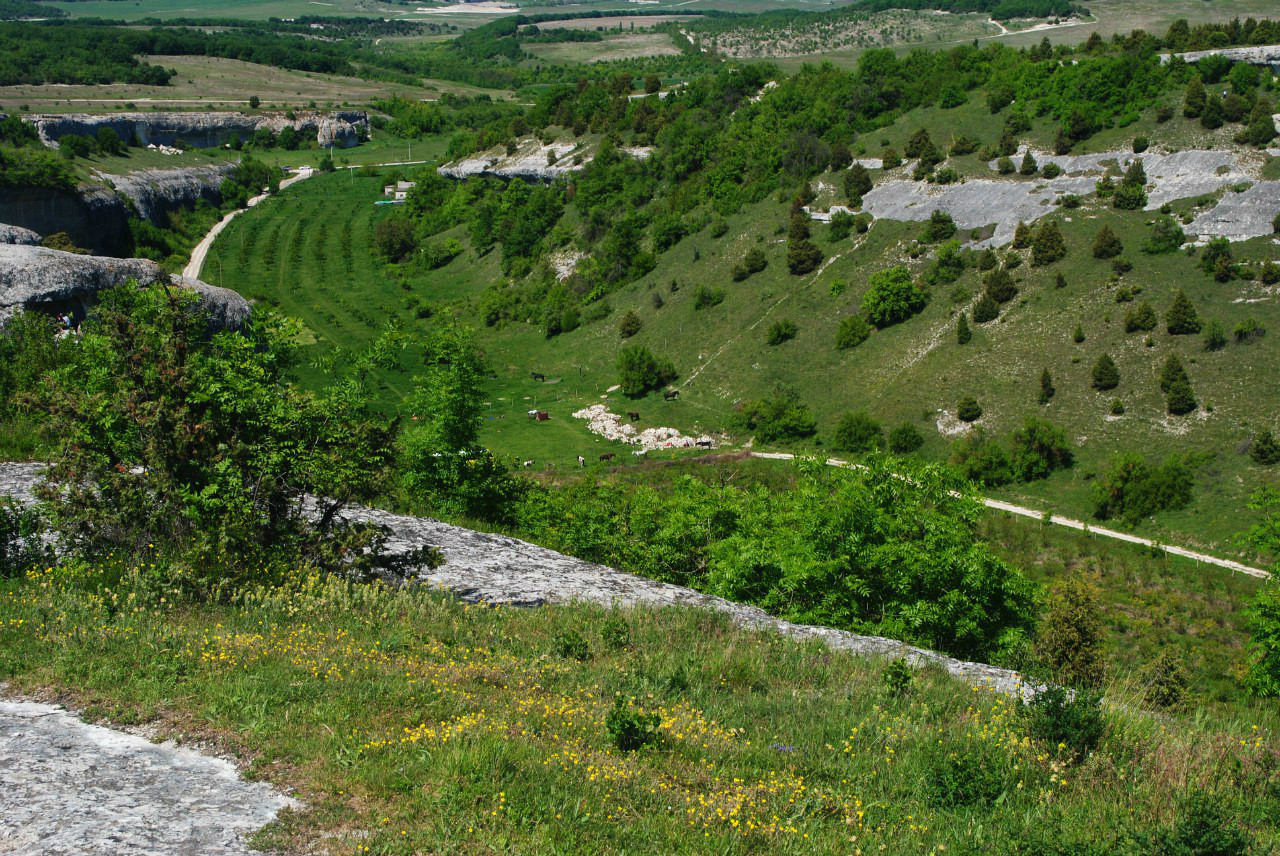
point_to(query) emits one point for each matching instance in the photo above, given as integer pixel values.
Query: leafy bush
(780, 416)
(569, 645)
(752, 263)
(1037, 449)
(892, 297)
(21, 547)
(705, 297)
(1133, 489)
(1166, 236)
(629, 729)
(968, 410)
(964, 775)
(897, 678)
(1263, 678)
(1070, 636)
(1265, 450)
(853, 331)
(1215, 338)
(1051, 170)
(1106, 245)
(905, 439)
(857, 432)
(436, 256)
(1204, 828)
(393, 238)
(615, 632)
(1061, 718)
(780, 331)
(1249, 330)
(640, 371)
(1140, 318)
(986, 309)
(964, 334)
(630, 324)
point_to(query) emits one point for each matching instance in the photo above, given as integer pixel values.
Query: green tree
(1263, 678)
(1181, 319)
(1264, 449)
(803, 256)
(852, 332)
(1046, 387)
(1166, 236)
(905, 439)
(986, 309)
(1028, 165)
(1171, 372)
(1181, 398)
(1105, 374)
(630, 324)
(1022, 236)
(999, 286)
(940, 227)
(963, 333)
(1140, 318)
(1107, 244)
(640, 371)
(968, 409)
(1071, 633)
(857, 432)
(1212, 116)
(1049, 245)
(857, 184)
(393, 238)
(443, 465)
(1193, 103)
(780, 416)
(892, 297)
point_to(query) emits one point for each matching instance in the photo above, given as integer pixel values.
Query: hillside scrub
(748, 727)
(892, 297)
(640, 372)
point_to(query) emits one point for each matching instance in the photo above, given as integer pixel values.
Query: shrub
(781, 331)
(752, 263)
(21, 547)
(948, 266)
(905, 439)
(1263, 677)
(1022, 236)
(1107, 245)
(1105, 374)
(857, 432)
(1028, 165)
(719, 227)
(1117, 407)
(940, 227)
(857, 184)
(963, 333)
(897, 678)
(1061, 718)
(1215, 337)
(1049, 245)
(1140, 145)
(803, 256)
(963, 145)
(435, 256)
(999, 286)
(1129, 197)
(629, 324)
(640, 371)
(615, 632)
(841, 225)
(890, 159)
(393, 238)
(569, 645)
(982, 460)
(1132, 489)
(853, 331)
(1165, 681)
(1005, 166)
(1078, 335)
(892, 297)
(1051, 170)
(968, 409)
(1204, 828)
(1166, 236)
(1265, 450)
(1140, 318)
(1046, 387)
(1181, 398)
(986, 309)
(964, 775)
(780, 416)
(988, 260)
(706, 296)
(1181, 319)
(1249, 330)
(1037, 449)
(629, 729)
(1069, 640)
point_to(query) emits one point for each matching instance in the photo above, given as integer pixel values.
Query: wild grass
(408, 722)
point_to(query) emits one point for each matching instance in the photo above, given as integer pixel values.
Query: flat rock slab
(68, 788)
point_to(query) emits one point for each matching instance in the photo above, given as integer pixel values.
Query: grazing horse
(633, 416)
(607, 456)
(538, 376)
(670, 395)
(706, 444)
(582, 462)
(528, 463)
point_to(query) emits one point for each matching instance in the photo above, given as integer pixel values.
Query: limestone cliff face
(157, 192)
(202, 130)
(47, 280)
(531, 161)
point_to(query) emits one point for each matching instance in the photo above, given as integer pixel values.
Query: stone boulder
(55, 281)
(18, 235)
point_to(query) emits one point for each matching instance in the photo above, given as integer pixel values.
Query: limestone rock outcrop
(55, 281)
(156, 192)
(532, 160)
(342, 129)
(18, 235)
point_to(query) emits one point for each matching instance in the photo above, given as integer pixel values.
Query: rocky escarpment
(157, 192)
(18, 235)
(97, 217)
(203, 130)
(482, 567)
(531, 160)
(47, 280)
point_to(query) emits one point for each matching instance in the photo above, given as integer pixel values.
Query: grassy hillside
(409, 723)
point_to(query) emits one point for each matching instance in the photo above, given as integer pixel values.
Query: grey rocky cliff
(157, 192)
(496, 569)
(18, 235)
(202, 130)
(56, 281)
(93, 217)
(532, 160)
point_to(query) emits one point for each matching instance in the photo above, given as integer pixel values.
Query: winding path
(192, 270)
(1071, 523)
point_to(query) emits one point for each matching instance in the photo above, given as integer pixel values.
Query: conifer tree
(1060, 281)
(1049, 244)
(1022, 236)
(1078, 336)
(999, 286)
(857, 184)
(1182, 320)
(1193, 103)
(986, 309)
(1265, 450)
(1029, 165)
(1105, 374)
(1182, 398)
(1071, 634)
(1171, 373)
(1211, 118)
(1107, 244)
(963, 334)
(1046, 387)
(1142, 317)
